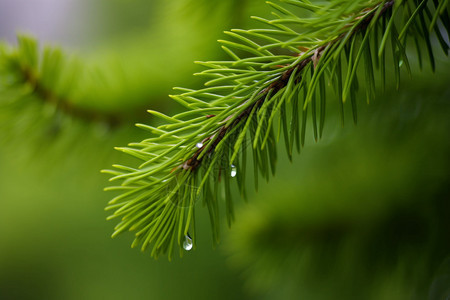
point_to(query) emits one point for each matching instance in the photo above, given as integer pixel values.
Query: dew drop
(233, 171)
(400, 63)
(199, 145)
(187, 244)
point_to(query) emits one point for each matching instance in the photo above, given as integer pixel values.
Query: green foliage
(52, 77)
(276, 77)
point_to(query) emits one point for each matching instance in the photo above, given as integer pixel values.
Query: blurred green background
(362, 214)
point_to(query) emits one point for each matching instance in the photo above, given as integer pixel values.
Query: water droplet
(233, 171)
(400, 63)
(187, 244)
(199, 145)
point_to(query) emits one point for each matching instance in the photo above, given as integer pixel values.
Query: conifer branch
(279, 84)
(42, 75)
(276, 74)
(65, 105)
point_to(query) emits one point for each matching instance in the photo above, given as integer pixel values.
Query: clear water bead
(187, 244)
(199, 145)
(233, 171)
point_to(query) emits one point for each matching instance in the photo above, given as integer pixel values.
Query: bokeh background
(362, 214)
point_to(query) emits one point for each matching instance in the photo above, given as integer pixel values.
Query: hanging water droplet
(199, 145)
(233, 171)
(400, 63)
(187, 244)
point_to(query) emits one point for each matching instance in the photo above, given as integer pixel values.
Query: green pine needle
(273, 77)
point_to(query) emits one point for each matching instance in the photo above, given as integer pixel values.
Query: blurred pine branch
(52, 78)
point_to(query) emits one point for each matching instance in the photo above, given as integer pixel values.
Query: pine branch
(276, 86)
(50, 77)
(280, 68)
